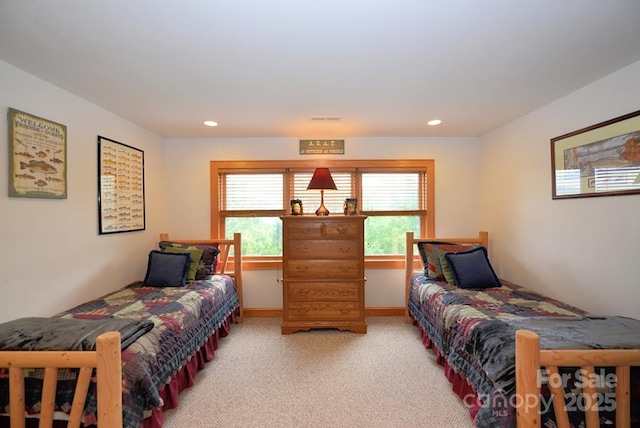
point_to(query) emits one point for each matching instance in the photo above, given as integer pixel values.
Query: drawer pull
(302, 249)
(344, 249)
(347, 292)
(302, 268)
(302, 291)
(342, 230)
(302, 311)
(344, 268)
(345, 310)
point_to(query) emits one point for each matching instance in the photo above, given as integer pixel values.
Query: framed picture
(120, 187)
(37, 158)
(351, 206)
(296, 207)
(600, 160)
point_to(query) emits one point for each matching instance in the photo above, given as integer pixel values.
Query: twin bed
(164, 333)
(469, 318)
(486, 332)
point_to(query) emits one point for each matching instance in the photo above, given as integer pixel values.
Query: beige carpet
(322, 378)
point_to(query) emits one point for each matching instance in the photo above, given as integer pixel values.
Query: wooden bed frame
(106, 359)
(530, 358)
(413, 263)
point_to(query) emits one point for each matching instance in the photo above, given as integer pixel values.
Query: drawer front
(347, 229)
(323, 292)
(328, 249)
(325, 269)
(304, 229)
(330, 311)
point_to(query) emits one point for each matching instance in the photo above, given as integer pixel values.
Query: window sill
(375, 262)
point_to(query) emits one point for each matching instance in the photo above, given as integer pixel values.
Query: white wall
(188, 205)
(52, 256)
(583, 251)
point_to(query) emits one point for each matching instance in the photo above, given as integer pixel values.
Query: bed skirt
(183, 379)
(459, 385)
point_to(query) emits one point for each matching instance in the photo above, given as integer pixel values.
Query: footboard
(530, 358)
(106, 359)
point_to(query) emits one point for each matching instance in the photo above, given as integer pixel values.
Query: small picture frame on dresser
(296, 207)
(351, 206)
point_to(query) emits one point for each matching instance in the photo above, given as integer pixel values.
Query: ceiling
(266, 68)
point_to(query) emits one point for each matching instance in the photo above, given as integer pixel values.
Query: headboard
(411, 263)
(229, 259)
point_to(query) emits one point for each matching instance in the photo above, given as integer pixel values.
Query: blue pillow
(471, 269)
(167, 269)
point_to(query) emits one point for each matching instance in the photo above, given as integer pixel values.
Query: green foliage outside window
(262, 236)
(386, 235)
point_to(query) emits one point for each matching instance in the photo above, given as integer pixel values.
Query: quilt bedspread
(449, 315)
(183, 317)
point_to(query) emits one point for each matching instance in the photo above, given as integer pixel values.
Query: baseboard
(277, 313)
(384, 312)
(262, 313)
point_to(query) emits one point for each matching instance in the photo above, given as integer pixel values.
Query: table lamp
(322, 181)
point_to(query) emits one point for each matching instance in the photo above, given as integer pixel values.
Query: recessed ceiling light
(434, 122)
(210, 123)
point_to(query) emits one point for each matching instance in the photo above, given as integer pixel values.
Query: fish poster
(121, 187)
(38, 163)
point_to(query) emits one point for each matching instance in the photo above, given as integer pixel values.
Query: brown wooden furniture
(105, 359)
(529, 359)
(323, 273)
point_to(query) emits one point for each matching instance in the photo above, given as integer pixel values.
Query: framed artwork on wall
(37, 158)
(600, 160)
(121, 205)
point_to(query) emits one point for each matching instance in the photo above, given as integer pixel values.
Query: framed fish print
(37, 158)
(600, 160)
(120, 187)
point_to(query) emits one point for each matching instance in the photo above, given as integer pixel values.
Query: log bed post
(109, 380)
(408, 273)
(237, 272)
(527, 390)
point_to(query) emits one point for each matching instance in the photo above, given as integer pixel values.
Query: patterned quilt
(449, 315)
(184, 318)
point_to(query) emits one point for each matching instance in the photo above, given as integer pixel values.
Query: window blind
(391, 191)
(253, 192)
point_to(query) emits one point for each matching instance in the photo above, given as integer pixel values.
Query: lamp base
(322, 210)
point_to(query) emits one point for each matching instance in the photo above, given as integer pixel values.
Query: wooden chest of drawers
(323, 273)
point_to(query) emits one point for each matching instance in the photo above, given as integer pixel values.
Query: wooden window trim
(427, 222)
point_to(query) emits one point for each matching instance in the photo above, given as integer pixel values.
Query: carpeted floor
(321, 378)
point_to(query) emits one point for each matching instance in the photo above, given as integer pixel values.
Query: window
(249, 197)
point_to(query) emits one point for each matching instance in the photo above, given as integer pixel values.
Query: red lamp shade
(322, 181)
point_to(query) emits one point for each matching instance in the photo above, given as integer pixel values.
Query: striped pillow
(431, 259)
